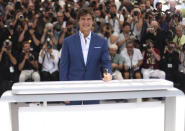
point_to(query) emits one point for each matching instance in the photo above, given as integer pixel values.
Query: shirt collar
(82, 35)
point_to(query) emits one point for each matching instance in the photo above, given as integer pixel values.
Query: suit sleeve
(105, 58)
(64, 62)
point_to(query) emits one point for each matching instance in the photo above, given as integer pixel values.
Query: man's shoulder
(71, 37)
(97, 37)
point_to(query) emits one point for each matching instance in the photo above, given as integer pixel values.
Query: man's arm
(106, 62)
(64, 62)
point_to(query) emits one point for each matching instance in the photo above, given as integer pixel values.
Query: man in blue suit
(84, 53)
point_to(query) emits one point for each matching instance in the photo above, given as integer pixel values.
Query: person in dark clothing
(8, 66)
(28, 64)
(170, 64)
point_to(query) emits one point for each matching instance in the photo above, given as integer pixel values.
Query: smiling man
(85, 54)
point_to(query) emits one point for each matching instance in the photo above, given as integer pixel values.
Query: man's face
(85, 23)
(178, 32)
(159, 7)
(112, 51)
(60, 17)
(130, 47)
(26, 47)
(126, 29)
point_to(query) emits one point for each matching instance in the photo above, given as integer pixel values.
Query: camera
(29, 27)
(107, 27)
(21, 17)
(49, 46)
(148, 47)
(6, 44)
(69, 30)
(170, 48)
(107, 34)
(31, 57)
(57, 27)
(49, 30)
(135, 13)
(113, 15)
(101, 7)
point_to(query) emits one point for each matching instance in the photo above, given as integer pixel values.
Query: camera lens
(21, 17)
(135, 13)
(107, 27)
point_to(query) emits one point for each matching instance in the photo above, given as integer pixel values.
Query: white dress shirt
(85, 43)
(135, 58)
(49, 65)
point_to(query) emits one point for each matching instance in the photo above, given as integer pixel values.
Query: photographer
(8, 66)
(124, 36)
(68, 30)
(114, 18)
(179, 39)
(28, 64)
(29, 34)
(154, 33)
(136, 23)
(49, 58)
(133, 60)
(151, 60)
(171, 63)
(49, 32)
(59, 28)
(98, 19)
(116, 61)
(8, 31)
(107, 33)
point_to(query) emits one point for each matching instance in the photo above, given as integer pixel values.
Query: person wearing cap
(117, 62)
(151, 58)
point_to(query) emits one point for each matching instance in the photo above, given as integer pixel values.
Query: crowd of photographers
(143, 42)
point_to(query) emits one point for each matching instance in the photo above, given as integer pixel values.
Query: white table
(23, 93)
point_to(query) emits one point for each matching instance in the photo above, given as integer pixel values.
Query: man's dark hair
(84, 11)
(131, 41)
(126, 24)
(157, 4)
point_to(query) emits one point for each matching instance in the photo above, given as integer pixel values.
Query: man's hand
(107, 77)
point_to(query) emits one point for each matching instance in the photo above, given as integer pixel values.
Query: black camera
(148, 47)
(57, 27)
(113, 15)
(31, 57)
(101, 7)
(170, 48)
(29, 27)
(93, 4)
(6, 44)
(107, 34)
(135, 13)
(21, 17)
(49, 30)
(49, 46)
(107, 27)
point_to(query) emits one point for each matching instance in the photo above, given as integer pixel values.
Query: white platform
(24, 93)
(107, 117)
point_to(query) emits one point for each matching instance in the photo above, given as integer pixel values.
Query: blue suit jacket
(72, 66)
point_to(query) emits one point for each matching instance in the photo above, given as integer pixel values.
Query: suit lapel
(91, 49)
(79, 47)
